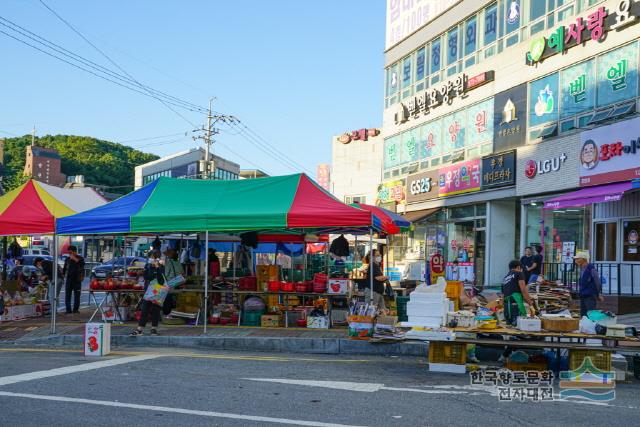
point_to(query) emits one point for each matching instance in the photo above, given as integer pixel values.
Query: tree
(101, 162)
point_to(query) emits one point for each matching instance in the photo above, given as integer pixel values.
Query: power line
(152, 137)
(107, 74)
(112, 61)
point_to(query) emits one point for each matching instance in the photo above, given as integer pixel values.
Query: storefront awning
(420, 215)
(587, 196)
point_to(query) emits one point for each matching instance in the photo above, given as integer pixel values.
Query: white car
(32, 251)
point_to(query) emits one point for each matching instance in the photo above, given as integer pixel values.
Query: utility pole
(209, 132)
(33, 136)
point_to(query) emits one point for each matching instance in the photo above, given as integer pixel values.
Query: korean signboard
(422, 186)
(459, 178)
(610, 153)
(445, 93)
(543, 101)
(406, 16)
(510, 118)
(391, 192)
(617, 75)
(358, 135)
(593, 27)
(578, 89)
(498, 170)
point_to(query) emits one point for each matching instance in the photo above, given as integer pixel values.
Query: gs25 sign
(422, 186)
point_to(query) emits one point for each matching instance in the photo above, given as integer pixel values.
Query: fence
(617, 278)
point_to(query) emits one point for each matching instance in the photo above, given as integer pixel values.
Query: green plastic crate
(401, 307)
(252, 318)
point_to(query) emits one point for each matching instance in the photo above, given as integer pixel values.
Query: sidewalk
(70, 330)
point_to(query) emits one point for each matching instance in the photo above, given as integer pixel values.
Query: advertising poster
(578, 88)
(510, 118)
(480, 120)
(618, 75)
(543, 101)
(462, 271)
(431, 139)
(459, 178)
(391, 192)
(610, 153)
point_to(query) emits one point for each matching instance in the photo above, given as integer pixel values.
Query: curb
(259, 344)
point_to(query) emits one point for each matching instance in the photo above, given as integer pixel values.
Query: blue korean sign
(543, 100)
(578, 89)
(618, 75)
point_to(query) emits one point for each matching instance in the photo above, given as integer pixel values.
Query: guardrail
(617, 278)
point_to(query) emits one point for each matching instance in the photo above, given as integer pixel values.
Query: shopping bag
(176, 281)
(156, 293)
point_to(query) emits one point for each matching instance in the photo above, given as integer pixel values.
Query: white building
(186, 164)
(356, 165)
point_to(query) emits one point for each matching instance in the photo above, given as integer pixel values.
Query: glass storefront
(556, 230)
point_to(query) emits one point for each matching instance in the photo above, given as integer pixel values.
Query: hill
(101, 162)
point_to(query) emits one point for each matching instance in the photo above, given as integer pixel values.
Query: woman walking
(153, 270)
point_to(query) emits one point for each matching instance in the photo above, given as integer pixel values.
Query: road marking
(173, 410)
(73, 369)
(63, 350)
(350, 386)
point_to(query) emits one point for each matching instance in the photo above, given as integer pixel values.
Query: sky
(295, 72)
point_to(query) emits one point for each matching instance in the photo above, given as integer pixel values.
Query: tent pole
(206, 279)
(54, 309)
(371, 263)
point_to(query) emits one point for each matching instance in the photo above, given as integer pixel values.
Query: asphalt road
(171, 388)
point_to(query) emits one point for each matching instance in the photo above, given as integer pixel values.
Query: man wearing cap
(73, 273)
(589, 284)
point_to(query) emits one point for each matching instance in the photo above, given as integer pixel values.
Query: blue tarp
(114, 217)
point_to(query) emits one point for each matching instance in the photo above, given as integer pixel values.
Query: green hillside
(101, 162)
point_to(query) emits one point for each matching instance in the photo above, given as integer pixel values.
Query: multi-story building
(356, 165)
(186, 164)
(44, 164)
(495, 108)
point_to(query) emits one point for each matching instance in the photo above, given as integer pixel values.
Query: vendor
(590, 283)
(514, 290)
(379, 279)
(214, 264)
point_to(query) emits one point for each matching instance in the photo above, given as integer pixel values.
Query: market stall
(550, 337)
(292, 205)
(32, 209)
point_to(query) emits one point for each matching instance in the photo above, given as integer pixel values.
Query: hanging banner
(459, 178)
(610, 153)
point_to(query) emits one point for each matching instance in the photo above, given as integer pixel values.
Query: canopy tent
(291, 202)
(390, 222)
(33, 207)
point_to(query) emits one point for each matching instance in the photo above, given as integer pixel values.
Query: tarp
(33, 207)
(587, 196)
(186, 205)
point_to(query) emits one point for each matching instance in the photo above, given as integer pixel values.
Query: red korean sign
(460, 178)
(436, 264)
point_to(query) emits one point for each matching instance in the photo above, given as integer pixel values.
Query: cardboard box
(338, 286)
(271, 320)
(97, 339)
(318, 322)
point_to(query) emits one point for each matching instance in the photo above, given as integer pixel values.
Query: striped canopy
(33, 207)
(291, 202)
(391, 222)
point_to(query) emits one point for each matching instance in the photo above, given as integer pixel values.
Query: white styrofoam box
(97, 339)
(427, 308)
(426, 321)
(448, 367)
(417, 334)
(428, 296)
(532, 324)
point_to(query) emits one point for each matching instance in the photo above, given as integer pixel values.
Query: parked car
(35, 251)
(116, 267)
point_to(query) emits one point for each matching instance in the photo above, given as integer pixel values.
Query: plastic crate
(525, 366)
(454, 289)
(600, 359)
(401, 304)
(447, 352)
(252, 318)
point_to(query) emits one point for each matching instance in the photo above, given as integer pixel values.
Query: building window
(606, 241)
(452, 46)
(435, 56)
(490, 24)
(421, 65)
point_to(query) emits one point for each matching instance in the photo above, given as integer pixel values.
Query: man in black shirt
(73, 273)
(536, 269)
(514, 290)
(527, 263)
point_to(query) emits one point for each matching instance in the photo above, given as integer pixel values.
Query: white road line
(73, 369)
(172, 410)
